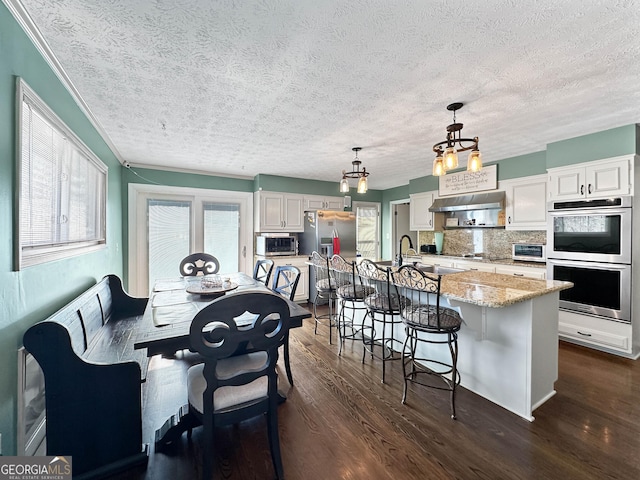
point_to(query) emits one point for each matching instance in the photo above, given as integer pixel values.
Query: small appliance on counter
(529, 252)
(273, 246)
(430, 248)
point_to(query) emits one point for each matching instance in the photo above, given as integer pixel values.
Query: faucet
(400, 247)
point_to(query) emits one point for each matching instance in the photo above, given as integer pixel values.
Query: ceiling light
(447, 158)
(361, 175)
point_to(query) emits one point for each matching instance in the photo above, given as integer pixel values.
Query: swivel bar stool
(324, 291)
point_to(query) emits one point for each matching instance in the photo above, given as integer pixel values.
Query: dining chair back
(262, 270)
(285, 283)
(231, 386)
(199, 264)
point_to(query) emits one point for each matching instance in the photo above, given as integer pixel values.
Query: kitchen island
(508, 343)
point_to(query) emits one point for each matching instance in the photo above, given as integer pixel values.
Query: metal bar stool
(325, 290)
(383, 310)
(427, 322)
(350, 294)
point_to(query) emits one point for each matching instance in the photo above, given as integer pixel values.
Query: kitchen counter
(498, 261)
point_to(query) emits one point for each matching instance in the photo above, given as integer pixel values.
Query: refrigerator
(318, 235)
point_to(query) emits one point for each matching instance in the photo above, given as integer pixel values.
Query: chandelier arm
(437, 148)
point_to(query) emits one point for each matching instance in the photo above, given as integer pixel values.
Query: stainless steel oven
(600, 289)
(591, 230)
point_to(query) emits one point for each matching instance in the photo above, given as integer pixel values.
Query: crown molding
(26, 23)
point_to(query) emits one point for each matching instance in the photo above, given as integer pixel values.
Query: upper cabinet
(420, 216)
(526, 207)
(604, 178)
(278, 212)
(318, 202)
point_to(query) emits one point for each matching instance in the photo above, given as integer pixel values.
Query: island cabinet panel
(474, 266)
(526, 203)
(278, 212)
(606, 335)
(600, 179)
(420, 218)
(520, 271)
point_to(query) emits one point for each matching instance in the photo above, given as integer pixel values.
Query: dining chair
(231, 386)
(199, 264)
(285, 283)
(350, 294)
(426, 321)
(262, 270)
(383, 312)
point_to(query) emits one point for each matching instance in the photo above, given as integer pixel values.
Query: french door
(166, 224)
(368, 229)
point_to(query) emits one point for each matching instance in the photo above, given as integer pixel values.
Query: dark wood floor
(341, 422)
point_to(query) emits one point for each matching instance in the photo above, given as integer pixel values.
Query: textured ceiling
(288, 87)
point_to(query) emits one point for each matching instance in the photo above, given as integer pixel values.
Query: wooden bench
(93, 379)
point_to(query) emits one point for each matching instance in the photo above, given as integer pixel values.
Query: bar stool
(350, 294)
(383, 309)
(426, 321)
(325, 291)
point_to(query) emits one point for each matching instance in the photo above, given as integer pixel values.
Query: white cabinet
(437, 261)
(278, 212)
(522, 271)
(420, 216)
(603, 178)
(474, 265)
(302, 290)
(318, 202)
(526, 203)
(595, 332)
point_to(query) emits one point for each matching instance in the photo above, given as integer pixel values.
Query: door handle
(244, 251)
(589, 189)
(581, 189)
(583, 334)
(509, 219)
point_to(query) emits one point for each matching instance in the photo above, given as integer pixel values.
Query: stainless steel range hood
(477, 201)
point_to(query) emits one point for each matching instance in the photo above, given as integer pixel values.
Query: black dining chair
(285, 282)
(229, 386)
(427, 322)
(262, 270)
(199, 264)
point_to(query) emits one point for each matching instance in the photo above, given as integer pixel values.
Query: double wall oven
(589, 244)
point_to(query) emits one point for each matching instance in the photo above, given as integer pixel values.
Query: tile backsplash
(494, 243)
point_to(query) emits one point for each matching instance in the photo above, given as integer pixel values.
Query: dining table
(164, 328)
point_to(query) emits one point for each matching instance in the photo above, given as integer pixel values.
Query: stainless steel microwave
(529, 252)
(268, 246)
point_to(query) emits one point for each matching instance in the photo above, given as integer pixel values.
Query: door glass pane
(587, 233)
(169, 237)
(222, 234)
(366, 232)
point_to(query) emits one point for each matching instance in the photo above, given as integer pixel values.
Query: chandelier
(447, 150)
(361, 175)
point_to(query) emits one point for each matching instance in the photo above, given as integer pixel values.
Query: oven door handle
(581, 213)
(593, 265)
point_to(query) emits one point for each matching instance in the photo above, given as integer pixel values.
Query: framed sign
(467, 182)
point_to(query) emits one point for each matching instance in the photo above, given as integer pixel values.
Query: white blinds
(62, 187)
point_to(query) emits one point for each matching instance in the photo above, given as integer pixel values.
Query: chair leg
(274, 442)
(287, 364)
(453, 348)
(208, 448)
(404, 366)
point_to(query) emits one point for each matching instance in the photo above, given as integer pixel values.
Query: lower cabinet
(477, 266)
(302, 291)
(518, 271)
(595, 332)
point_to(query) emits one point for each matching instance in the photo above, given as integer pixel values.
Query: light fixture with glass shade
(361, 175)
(447, 150)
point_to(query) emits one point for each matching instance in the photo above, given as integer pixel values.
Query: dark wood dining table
(164, 329)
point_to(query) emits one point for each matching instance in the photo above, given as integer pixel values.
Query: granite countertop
(500, 261)
(496, 290)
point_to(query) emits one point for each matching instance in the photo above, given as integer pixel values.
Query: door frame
(137, 283)
(378, 206)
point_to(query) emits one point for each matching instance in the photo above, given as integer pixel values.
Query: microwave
(529, 252)
(267, 246)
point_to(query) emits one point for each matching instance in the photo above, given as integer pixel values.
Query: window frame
(25, 256)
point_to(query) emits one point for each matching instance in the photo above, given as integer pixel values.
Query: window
(62, 187)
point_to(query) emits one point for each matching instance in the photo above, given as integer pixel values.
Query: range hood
(477, 201)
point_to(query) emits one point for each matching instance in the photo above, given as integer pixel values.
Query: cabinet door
(530, 272)
(607, 179)
(567, 184)
(314, 202)
(271, 212)
(475, 266)
(420, 216)
(526, 203)
(334, 203)
(437, 261)
(293, 213)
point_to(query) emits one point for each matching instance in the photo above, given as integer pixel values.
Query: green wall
(36, 292)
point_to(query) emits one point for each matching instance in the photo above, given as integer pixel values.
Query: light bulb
(450, 158)
(362, 185)
(438, 167)
(474, 164)
(344, 185)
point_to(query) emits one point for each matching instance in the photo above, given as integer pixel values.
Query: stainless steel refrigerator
(318, 235)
